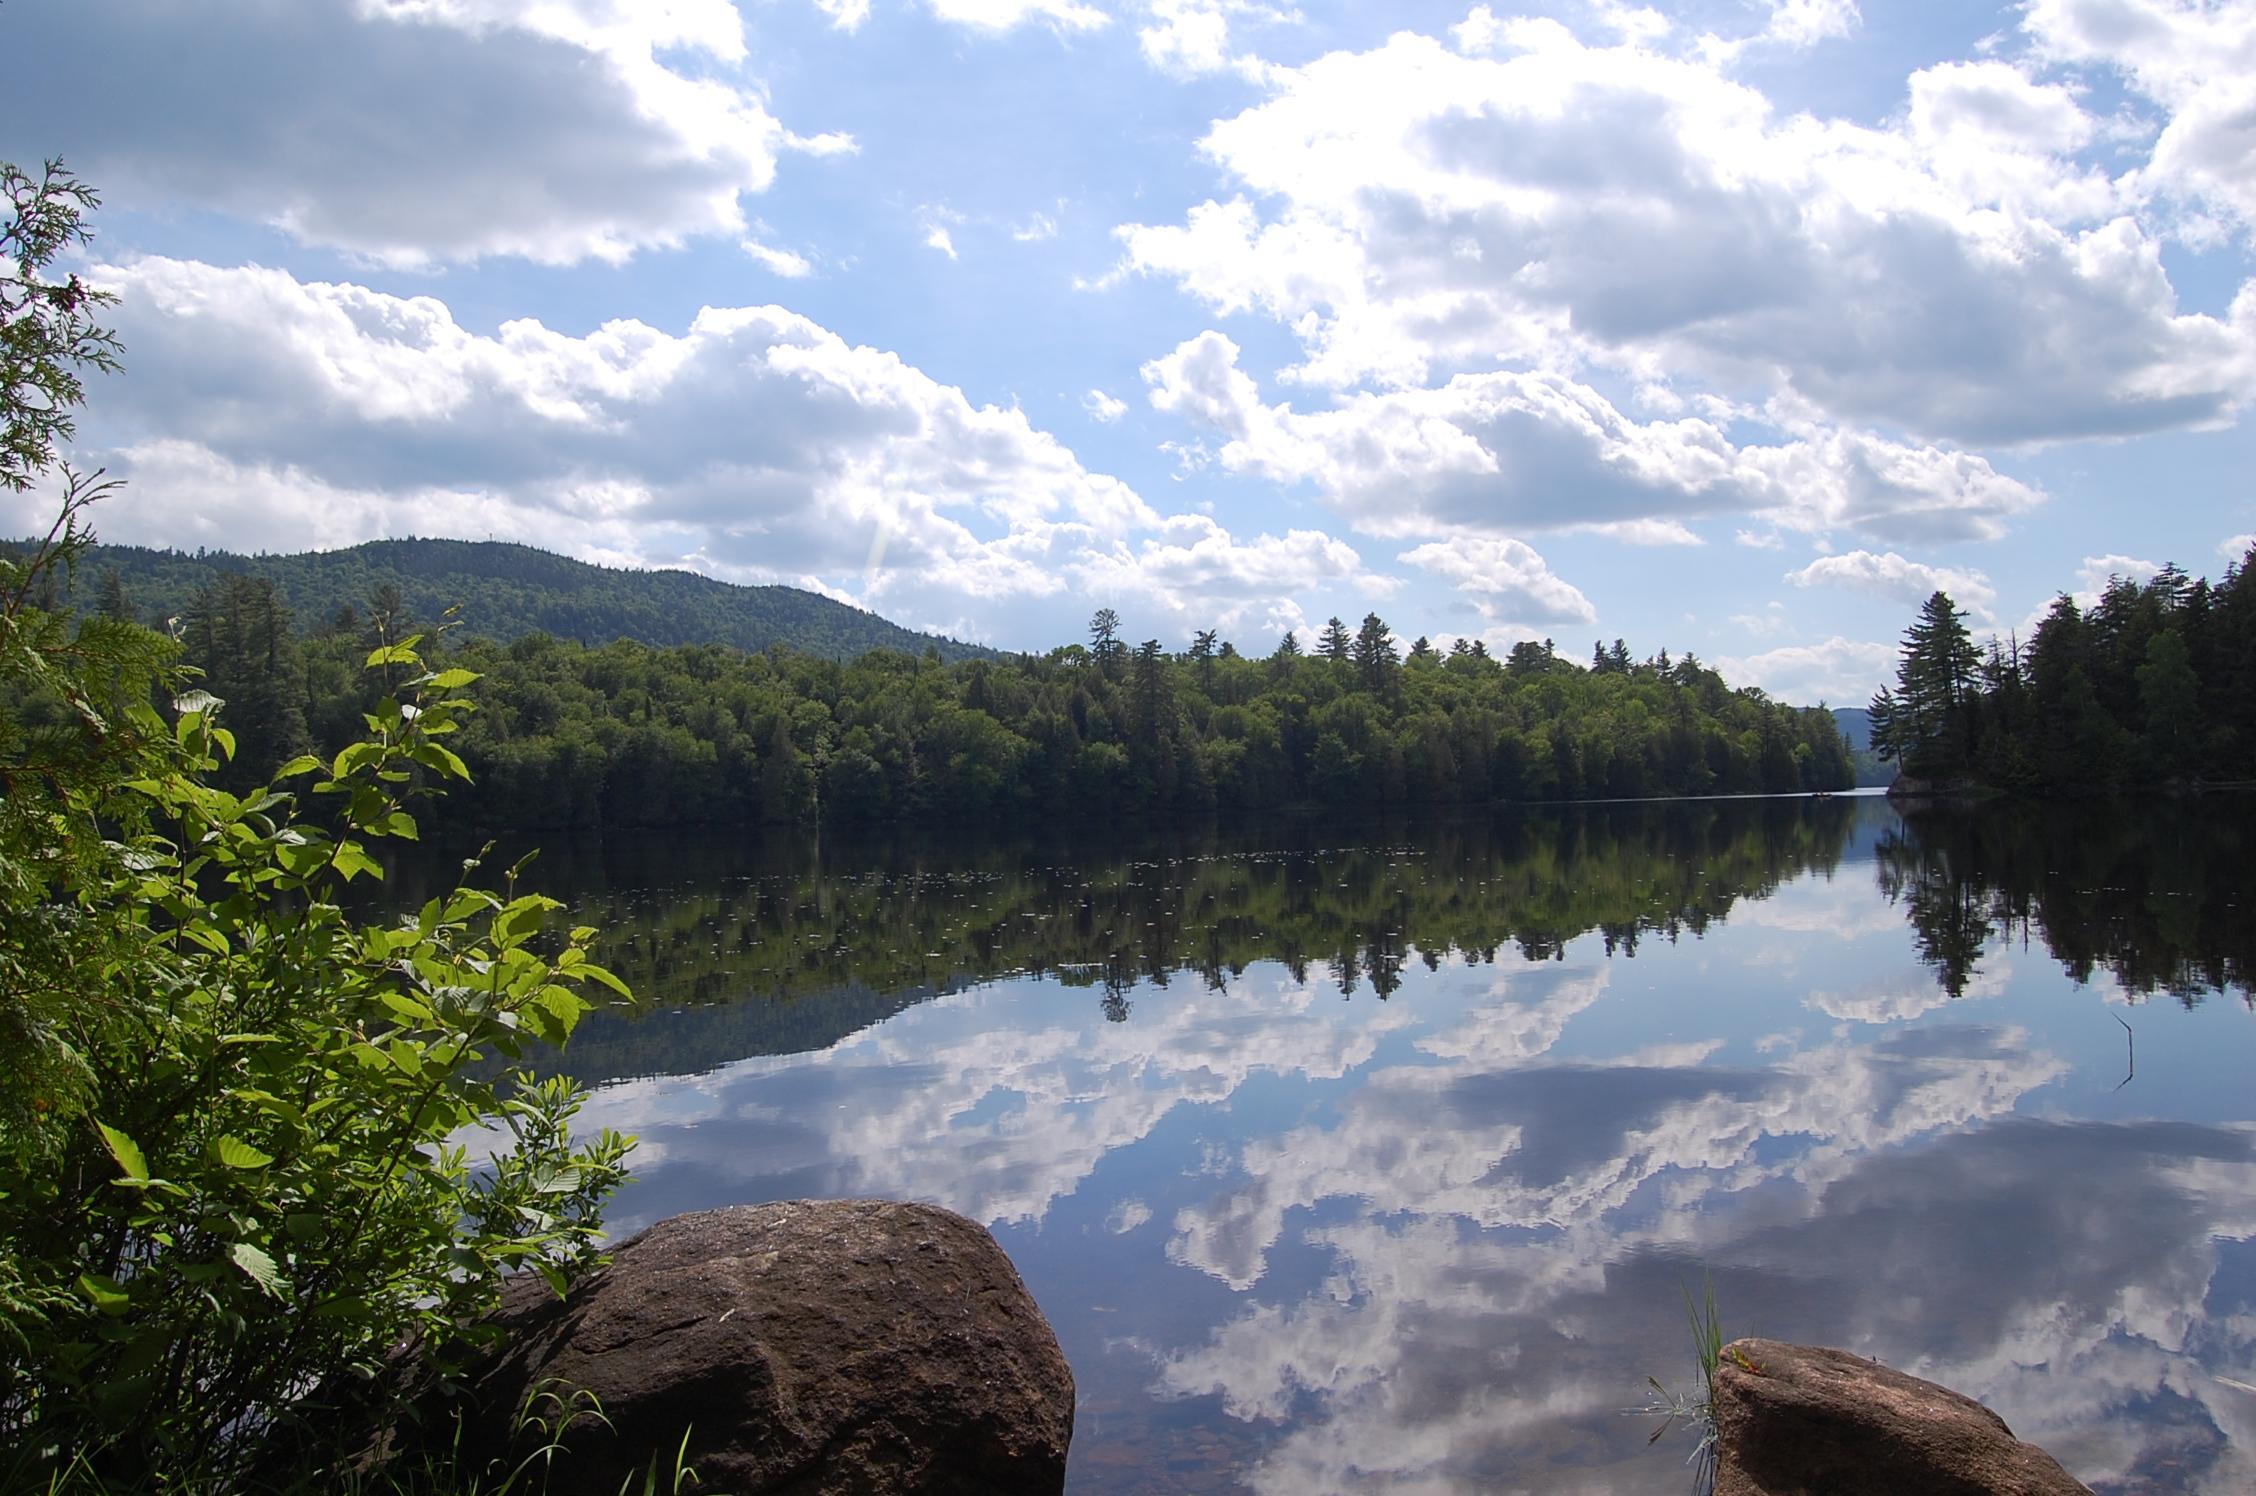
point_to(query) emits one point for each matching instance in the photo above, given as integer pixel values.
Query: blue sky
(1735, 326)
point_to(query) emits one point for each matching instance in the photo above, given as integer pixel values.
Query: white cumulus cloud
(412, 131)
(1846, 672)
(2196, 60)
(1508, 451)
(758, 442)
(1955, 274)
(1104, 407)
(1891, 576)
(1507, 580)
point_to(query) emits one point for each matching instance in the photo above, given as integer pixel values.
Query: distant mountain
(1856, 730)
(1856, 726)
(509, 590)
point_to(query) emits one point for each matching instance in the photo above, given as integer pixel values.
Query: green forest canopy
(626, 733)
(2152, 684)
(506, 591)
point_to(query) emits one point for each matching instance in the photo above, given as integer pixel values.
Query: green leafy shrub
(249, 1145)
(259, 1143)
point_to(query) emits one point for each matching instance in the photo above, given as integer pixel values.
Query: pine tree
(1104, 642)
(114, 604)
(1334, 644)
(1202, 651)
(1374, 656)
(1935, 691)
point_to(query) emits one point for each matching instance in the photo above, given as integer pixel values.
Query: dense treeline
(626, 734)
(506, 591)
(2152, 684)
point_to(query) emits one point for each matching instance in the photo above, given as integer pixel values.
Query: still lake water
(1381, 1161)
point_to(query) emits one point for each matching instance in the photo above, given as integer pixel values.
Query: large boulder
(1798, 1420)
(862, 1346)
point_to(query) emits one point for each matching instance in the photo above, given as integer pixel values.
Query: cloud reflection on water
(1437, 1242)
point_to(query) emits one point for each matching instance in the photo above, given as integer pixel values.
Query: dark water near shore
(1381, 1160)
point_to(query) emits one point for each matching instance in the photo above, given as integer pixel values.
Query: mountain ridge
(507, 590)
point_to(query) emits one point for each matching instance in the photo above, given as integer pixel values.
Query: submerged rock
(1798, 1420)
(810, 1346)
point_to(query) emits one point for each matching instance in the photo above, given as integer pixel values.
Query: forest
(630, 734)
(2151, 685)
(514, 590)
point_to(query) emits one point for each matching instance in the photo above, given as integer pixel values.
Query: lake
(1382, 1159)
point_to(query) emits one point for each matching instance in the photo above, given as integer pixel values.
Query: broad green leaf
(352, 862)
(259, 1267)
(523, 916)
(453, 680)
(402, 653)
(353, 757)
(303, 861)
(125, 1151)
(413, 1009)
(207, 937)
(237, 1154)
(445, 760)
(107, 1293)
(606, 977)
(304, 763)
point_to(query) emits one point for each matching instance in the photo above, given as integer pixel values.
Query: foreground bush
(248, 1145)
(246, 1151)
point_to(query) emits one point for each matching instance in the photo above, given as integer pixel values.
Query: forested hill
(508, 591)
(1855, 723)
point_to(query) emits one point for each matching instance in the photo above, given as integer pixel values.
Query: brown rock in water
(1799, 1420)
(861, 1346)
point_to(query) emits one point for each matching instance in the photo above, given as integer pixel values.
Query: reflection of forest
(2153, 892)
(781, 948)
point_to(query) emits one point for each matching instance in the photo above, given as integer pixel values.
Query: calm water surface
(1381, 1162)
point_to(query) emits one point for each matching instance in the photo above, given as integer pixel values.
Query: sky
(1733, 326)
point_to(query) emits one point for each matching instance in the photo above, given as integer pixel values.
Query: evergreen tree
(1373, 654)
(238, 635)
(1334, 643)
(1154, 705)
(113, 603)
(2170, 696)
(1202, 654)
(48, 336)
(1935, 691)
(1104, 642)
